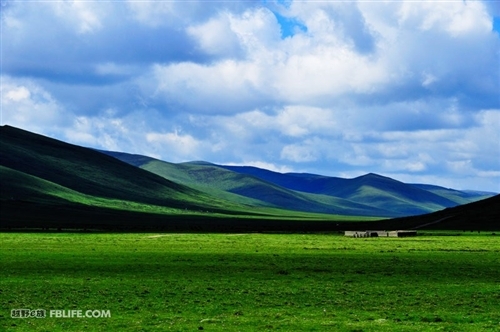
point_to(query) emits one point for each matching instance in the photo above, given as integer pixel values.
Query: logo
(28, 313)
(42, 313)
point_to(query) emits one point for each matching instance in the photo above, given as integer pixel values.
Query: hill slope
(251, 190)
(477, 216)
(370, 194)
(89, 173)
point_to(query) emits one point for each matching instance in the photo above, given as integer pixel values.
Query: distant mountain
(457, 196)
(244, 189)
(358, 188)
(371, 194)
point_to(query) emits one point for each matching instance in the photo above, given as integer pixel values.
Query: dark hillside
(90, 172)
(483, 215)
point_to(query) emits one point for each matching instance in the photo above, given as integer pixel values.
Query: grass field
(252, 282)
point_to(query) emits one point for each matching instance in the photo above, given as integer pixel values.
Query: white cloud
(216, 36)
(391, 87)
(301, 152)
(324, 74)
(105, 131)
(258, 31)
(321, 67)
(10, 22)
(181, 145)
(226, 87)
(296, 70)
(27, 105)
(455, 17)
(87, 15)
(17, 94)
(132, 134)
(297, 121)
(428, 79)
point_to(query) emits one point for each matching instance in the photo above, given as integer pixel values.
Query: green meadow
(252, 282)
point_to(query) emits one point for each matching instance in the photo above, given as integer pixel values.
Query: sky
(405, 89)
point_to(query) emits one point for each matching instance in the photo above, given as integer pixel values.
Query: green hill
(368, 195)
(45, 163)
(244, 189)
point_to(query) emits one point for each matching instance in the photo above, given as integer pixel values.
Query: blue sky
(408, 90)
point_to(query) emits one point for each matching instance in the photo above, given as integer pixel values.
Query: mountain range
(367, 195)
(50, 182)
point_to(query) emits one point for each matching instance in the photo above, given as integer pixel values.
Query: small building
(399, 233)
(361, 233)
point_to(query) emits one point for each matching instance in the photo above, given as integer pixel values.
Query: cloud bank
(404, 89)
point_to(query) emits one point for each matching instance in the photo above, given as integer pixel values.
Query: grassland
(252, 282)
